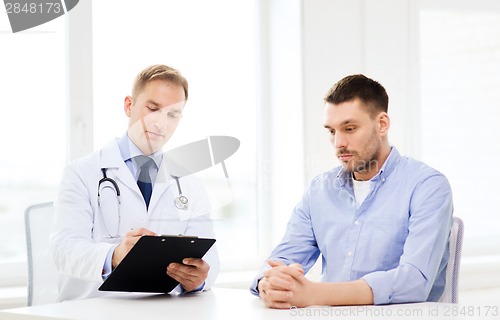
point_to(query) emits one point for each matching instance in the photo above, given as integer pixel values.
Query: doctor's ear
(127, 104)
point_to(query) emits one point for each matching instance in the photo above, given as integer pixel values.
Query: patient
(380, 221)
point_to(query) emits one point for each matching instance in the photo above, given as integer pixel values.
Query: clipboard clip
(179, 236)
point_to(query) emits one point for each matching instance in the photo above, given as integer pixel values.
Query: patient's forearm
(343, 293)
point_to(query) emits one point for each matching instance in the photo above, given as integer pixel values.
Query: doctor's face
(154, 114)
(358, 137)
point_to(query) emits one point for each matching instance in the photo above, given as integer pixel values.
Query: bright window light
(213, 44)
(32, 126)
(460, 56)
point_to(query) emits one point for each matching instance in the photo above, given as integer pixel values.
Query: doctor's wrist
(200, 288)
(116, 258)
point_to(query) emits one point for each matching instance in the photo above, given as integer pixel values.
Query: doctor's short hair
(371, 93)
(159, 72)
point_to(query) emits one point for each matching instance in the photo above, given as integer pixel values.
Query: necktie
(144, 180)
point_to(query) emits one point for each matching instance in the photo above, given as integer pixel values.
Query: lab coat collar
(111, 158)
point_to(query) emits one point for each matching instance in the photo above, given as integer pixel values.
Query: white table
(220, 303)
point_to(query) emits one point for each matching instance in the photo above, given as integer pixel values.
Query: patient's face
(355, 135)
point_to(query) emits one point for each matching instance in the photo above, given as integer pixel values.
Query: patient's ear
(384, 123)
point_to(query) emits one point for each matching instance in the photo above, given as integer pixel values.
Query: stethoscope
(181, 201)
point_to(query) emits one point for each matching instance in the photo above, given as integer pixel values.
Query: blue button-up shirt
(397, 240)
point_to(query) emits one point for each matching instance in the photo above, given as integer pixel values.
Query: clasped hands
(191, 273)
(285, 286)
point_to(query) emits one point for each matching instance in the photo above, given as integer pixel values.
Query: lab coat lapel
(162, 183)
(111, 158)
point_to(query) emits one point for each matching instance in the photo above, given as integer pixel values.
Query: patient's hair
(159, 72)
(371, 93)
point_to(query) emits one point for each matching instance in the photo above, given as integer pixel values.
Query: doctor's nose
(161, 120)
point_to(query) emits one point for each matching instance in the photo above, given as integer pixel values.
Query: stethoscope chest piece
(181, 202)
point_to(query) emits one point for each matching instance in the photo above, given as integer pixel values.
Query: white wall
(281, 120)
(376, 38)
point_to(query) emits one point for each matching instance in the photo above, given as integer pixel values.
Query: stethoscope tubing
(181, 202)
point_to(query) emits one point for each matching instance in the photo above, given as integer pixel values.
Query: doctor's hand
(285, 286)
(191, 273)
(127, 243)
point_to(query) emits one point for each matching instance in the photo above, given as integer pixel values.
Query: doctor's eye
(332, 132)
(152, 108)
(174, 115)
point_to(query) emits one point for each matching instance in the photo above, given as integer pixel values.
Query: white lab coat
(80, 240)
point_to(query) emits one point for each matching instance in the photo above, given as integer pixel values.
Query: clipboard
(144, 268)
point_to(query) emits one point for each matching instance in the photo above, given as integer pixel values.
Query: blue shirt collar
(390, 163)
(129, 150)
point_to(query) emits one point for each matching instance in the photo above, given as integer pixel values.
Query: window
(213, 44)
(460, 59)
(32, 127)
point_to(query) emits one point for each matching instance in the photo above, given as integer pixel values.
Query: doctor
(110, 198)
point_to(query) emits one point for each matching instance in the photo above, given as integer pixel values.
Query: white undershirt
(361, 190)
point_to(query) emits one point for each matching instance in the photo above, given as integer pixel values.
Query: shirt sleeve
(200, 288)
(298, 244)
(108, 265)
(430, 223)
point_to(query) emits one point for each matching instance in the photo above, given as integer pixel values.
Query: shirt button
(349, 253)
(356, 222)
